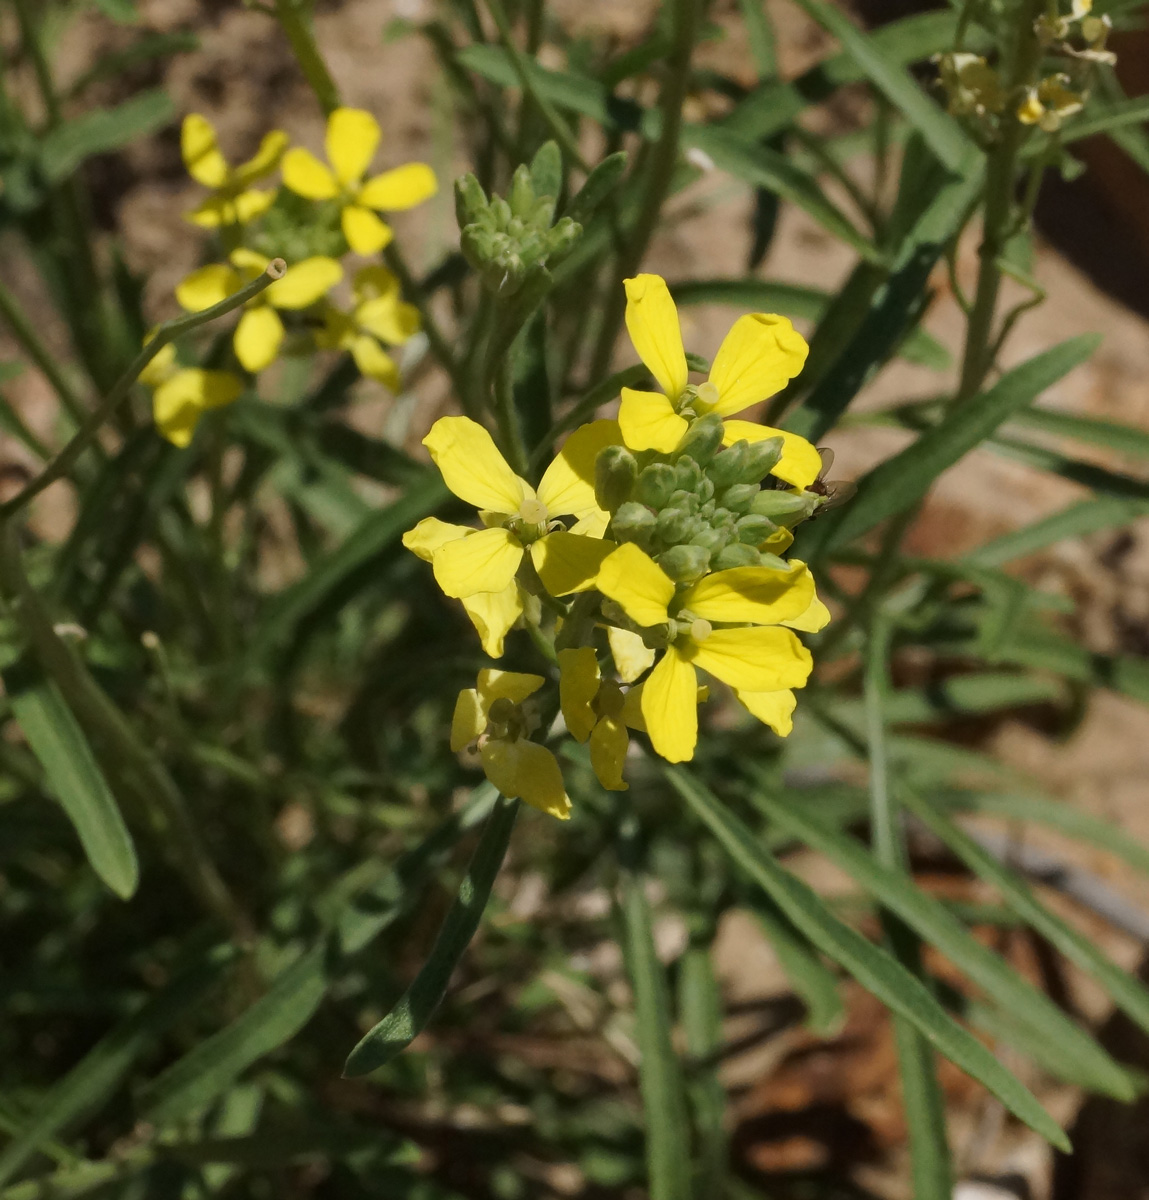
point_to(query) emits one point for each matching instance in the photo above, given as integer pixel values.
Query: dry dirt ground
(242, 78)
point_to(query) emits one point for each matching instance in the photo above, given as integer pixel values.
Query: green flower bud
(470, 200)
(707, 510)
(688, 474)
(655, 485)
(684, 564)
(682, 498)
(705, 490)
(728, 466)
(773, 561)
(702, 439)
(501, 211)
(522, 196)
(736, 555)
(615, 472)
(753, 530)
(774, 504)
(723, 519)
(676, 525)
(738, 497)
(547, 171)
(634, 522)
(542, 214)
(759, 459)
(562, 238)
(710, 539)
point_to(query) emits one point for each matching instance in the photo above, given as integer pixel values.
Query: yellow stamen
(700, 630)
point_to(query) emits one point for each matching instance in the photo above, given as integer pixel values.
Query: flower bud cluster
(509, 241)
(702, 508)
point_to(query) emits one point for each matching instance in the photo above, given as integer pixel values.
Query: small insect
(831, 493)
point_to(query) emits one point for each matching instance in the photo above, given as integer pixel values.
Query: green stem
(660, 172)
(91, 426)
(30, 37)
(507, 419)
(294, 24)
(40, 355)
(585, 408)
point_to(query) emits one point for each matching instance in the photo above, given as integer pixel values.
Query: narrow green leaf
(1078, 520)
(766, 168)
(74, 777)
(1095, 120)
(903, 480)
(409, 1017)
(82, 1091)
(214, 1064)
(873, 968)
(1124, 989)
(102, 130)
(700, 1011)
(1084, 1061)
(760, 37)
(890, 77)
(813, 981)
(659, 1071)
(1097, 479)
(1113, 435)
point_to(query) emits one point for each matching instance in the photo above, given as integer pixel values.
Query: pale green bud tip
(615, 473)
(684, 564)
(702, 440)
(633, 522)
(708, 395)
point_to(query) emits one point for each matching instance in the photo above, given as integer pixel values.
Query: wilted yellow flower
(378, 314)
(1048, 104)
(759, 356)
(598, 710)
(260, 332)
(491, 714)
(519, 519)
(729, 624)
(183, 394)
(352, 137)
(233, 200)
(971, 85)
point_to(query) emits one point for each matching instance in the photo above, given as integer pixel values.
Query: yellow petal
(468, 720)
(528, 770)
(756, 659)
(1031, 110)
(593, 524)
(652, 322)
(800, 461)
(632, 656)
(507, 685)
(258, 337)
(567, 487)
(493, 614)
(775, 709)
(472, 466)
(252, 203)
(778, 542)
(374, 282)
(352, 138)
(608, 747)
(207, 286)
(814, 618)
(160, 367)
(430, 534)
(374, 362)
(404, 187)
(670, 707)
(305, 282)
(213, 212)
(648, 422)
(179, 402)
(484, 562)
(757, 358)
(364, 232)
(201, 153)
(388, 319)
(249, 263)
(755, 594)
(631, 713)
(568, 562)
(578, 686)
(263, 161)
(635, 581)
(305, 175)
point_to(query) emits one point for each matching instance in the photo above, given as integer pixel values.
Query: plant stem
(294, 24)
(510, 430)
(660, 171)
(40, 355)
(91, 426)
(30, 37)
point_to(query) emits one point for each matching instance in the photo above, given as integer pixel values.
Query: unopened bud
(547, 170)
(773, 561)
(738, 497)
(687, 474)
(501, 211)
(702, 439)
(615, 472)
(736, 555)
(709, 539)
(776, 504)
(470, 199)
(634, 523)
(754, 529)
(759, 459)
(684, 564)
(522, 195)
(655, 485)
(560, 241)
(676, 525)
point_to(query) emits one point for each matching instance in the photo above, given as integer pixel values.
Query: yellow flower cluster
(642, 622)
(322, 213)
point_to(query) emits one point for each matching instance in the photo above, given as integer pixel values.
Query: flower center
(533, 511)
(700, 629)
(707, 395)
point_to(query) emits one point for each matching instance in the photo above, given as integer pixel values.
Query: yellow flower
(352, 136)
(233, 200)
(260, 332)
(491, 714)
(759, 356)
(750, 651)
(1050, 103)
(183, 394)
(378, 315)
(519, 519)
(971, 84)
(598, 710)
